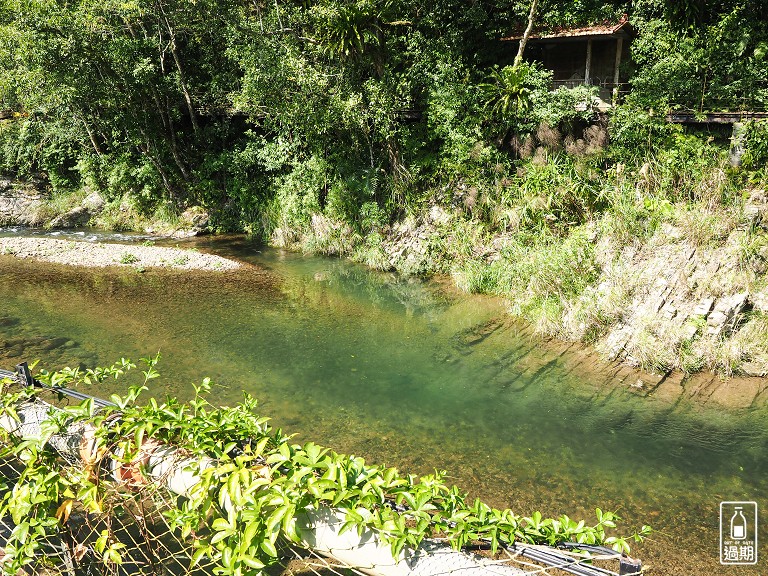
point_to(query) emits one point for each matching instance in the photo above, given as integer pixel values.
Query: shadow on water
(409, 373)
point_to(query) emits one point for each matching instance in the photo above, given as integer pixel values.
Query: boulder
(725, 316)
(704, 306)
(193, 222)
(756, 209)
(19, 202)
(75, 218)
(94, 203)
(760, 301)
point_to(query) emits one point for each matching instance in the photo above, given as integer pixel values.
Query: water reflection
(408, 373)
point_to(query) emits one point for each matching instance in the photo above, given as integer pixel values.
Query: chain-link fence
(131, 529)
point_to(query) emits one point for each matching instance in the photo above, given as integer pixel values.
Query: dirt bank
(99, 255)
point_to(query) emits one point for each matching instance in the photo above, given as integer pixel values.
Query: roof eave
(621, 30)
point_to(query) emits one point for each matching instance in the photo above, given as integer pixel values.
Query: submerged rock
(7, 321)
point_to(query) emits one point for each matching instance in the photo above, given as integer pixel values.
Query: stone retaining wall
(19, 203)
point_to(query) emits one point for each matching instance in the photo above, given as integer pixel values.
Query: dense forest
(335, 125)
(357, 109)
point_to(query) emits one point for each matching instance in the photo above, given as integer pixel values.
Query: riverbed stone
(105, 254)
(8, 321)
(662, 386)
(737, 393)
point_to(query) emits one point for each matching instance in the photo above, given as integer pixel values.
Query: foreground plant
(252, 499)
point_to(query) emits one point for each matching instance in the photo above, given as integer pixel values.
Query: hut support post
(589, 62)
(617, 63)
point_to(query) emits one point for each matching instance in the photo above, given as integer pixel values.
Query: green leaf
(277, 516)
(269, 548)
(252, 562)
(221, 524)
(219, 536)
(251, 529)
(198, 555)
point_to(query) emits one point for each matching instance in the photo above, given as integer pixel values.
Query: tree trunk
(145, 148)
(182, 81)
(93, 139)
(171, 135)
(526, 34)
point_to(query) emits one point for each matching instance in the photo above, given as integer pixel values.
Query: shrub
(755, 145)
(128, 258)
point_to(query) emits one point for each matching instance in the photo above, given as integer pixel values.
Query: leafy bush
(251, 500)
(538, 277)
(755, 145)
(511, 93)
(128, 258)
(297, 194)
(637, 133)
(719, 66)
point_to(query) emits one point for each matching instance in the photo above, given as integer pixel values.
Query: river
(412, 374)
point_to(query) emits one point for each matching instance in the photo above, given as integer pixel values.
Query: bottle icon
(738, 525)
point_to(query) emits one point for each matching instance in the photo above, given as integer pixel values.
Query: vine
(253, 498)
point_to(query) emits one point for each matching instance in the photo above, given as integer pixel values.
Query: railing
(607, 90)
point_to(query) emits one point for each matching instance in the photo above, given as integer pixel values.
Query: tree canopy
(330, 104)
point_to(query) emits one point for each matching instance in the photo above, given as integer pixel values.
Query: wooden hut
(591, 55)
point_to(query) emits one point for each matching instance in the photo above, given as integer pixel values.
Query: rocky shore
(100, 255)
(20, 203)
(30, 203)
(692, 297)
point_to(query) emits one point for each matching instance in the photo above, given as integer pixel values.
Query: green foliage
(351, 30)
(256, 495)
(128, 258)
(510, 92)
(268, 115)
(538, 275)
(566, 106)
(755, 145)
(718, 66)
(297, 194)
(636, 134)
(509, 89)
(319, 125)
(130, 105)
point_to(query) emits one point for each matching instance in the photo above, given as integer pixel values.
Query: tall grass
(538, 276)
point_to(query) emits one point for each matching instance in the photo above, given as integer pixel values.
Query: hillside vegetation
(407, 138)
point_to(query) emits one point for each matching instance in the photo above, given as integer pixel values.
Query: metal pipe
(24, 377)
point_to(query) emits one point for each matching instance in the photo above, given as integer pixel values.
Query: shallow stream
(408, 373)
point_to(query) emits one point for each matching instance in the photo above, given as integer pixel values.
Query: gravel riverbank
(99, 255)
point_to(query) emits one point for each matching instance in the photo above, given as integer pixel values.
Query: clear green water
(408, 373)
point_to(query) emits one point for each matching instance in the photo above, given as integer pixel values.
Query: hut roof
(622, 28)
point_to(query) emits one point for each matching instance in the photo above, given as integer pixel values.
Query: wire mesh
(136, 518)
